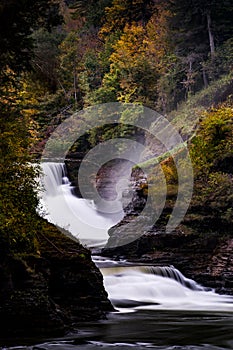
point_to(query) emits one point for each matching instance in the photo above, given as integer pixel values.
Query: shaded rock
(49, 293)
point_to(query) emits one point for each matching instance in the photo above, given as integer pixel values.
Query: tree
(18, 191)
(137, 60)
(137, 72)
(18, 19)
(18, 198)
(70, 67)
(211, 151)
(91, 11)
(45, 61)
(198, 28)
(126, 12)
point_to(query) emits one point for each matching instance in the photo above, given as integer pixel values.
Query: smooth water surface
(170, 330)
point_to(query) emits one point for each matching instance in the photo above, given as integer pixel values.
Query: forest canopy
(57, 57)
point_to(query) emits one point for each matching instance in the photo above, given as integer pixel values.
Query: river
(156, 307)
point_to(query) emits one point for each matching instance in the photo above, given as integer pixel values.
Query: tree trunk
(205, 81)
(75, 89)
(211, 37)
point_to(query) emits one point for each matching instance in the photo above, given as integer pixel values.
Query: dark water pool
(176, 330)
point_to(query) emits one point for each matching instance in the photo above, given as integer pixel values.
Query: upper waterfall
(77, 215)
(54, 174)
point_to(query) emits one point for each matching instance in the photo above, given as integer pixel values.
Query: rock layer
(200, 248)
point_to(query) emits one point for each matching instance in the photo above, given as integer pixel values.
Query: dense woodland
(61, 56)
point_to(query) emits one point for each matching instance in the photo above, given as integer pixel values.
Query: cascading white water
(77, 215)
(159, 288)
(129, 287)
(163, 271)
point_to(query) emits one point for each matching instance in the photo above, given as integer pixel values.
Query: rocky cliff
(49, 293)
(201, 247)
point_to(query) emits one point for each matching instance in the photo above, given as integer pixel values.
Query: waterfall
(132, 288)
(129, 287)
(77, 215)
(163, 271)
(173, 273)
(55, 176)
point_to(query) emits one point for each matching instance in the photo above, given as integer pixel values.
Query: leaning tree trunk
(211, 36)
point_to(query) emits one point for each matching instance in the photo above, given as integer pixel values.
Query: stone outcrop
(49, 293)
(201, 247)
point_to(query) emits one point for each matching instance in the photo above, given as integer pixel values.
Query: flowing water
(156, 307)
(77, 215)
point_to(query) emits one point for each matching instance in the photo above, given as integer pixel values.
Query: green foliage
(18, 102)
(200, 30)
(92, 10)
(212, 145)
(214, 139)
(109, 89)
(187, 115)
(18, 191)
(133, 69)
(222, 62)
(122, 13)
(190, 25)
(70, 60)
(143, 51)
(152, 162)
(109, 132)
(45, 60)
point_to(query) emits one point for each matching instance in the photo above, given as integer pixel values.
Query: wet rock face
(76, 285)
(204, 253)
(49, 294)
(206, 258)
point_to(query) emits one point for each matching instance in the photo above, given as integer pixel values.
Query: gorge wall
(47, 294)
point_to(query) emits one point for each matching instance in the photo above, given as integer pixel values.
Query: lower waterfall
(133, 288)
